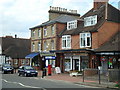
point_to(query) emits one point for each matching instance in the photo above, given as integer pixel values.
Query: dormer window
(71, 25)
(90, 21)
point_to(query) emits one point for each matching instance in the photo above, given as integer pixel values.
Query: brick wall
(104, 33)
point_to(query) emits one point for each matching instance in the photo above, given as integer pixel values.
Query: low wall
(114, 75)
(90, 72)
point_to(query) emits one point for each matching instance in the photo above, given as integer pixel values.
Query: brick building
(44, 37)
(83, 38)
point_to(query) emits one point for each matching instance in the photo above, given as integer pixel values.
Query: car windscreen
(7, 65)
(29, 68)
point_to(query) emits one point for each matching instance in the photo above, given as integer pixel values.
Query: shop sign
(49, 57)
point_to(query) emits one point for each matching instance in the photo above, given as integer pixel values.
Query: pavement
(78, 80)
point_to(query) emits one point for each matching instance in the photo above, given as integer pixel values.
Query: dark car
(27, 71)
(6, 68)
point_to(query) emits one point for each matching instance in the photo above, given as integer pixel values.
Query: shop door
(76, 64)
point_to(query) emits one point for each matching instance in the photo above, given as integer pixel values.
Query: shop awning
(32, 55)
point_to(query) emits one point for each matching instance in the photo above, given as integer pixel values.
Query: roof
(15, 47)
(111, 45)
(113, 15)
(60, 19)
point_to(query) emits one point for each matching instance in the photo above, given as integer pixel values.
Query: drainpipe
(106, 10)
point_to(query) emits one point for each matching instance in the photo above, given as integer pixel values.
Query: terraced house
(85, 42)
(44, 37)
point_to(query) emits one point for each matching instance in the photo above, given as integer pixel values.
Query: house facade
(44, 37)
(83, 36)
(14, 50)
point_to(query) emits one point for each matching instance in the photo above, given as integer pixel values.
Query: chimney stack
(98, 3)
(15, 36)
(55, 12)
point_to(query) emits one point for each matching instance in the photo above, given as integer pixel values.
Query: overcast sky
(17, 16)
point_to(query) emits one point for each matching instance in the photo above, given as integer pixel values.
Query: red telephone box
(49, 70)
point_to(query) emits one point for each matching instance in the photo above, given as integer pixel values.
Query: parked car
(6, 68)
(27, 71)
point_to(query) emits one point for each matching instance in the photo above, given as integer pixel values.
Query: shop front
(109, 60)
(72, 60)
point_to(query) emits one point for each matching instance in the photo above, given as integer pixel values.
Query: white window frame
(71, 25)
(45, 31)
(52, 44)
(15, 61)
(67, 39)
(32, 33)
(33, 46)
(39, 33)
(45, 45)
(52, 29)
(90, 21)
(39, 46)
(86, 36)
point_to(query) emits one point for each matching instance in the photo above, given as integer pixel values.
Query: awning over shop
(32, 55)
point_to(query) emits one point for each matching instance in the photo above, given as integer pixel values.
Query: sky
(17, 16)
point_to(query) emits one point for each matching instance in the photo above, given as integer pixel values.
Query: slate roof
(15, 47)
(112, 45)
(60, 19)
(113, 15)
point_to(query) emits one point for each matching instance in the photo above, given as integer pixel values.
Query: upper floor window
(52, 44)
(66, 42)
(33, 33)
(45, 31)
(52, 30)
(33, 47)
(45, 46)
(39, 46)
(85, 40)
(39, 33)
(90, 21)
(71, 24)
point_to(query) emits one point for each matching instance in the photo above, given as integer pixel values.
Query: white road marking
(22, 84)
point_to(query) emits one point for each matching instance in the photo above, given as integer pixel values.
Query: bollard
(83, 75)
(99, 76)
(43, 72)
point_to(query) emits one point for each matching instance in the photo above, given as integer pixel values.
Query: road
(15, 81)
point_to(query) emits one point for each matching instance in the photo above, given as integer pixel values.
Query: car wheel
(25, 74)
(36, 75)
(18, 74)
(12, 72)
(3, 72)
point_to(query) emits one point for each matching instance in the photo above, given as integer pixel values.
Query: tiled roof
(112, 15)
(60, 19)
(15, 47)
(112, 45)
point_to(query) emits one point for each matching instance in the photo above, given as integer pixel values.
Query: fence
(101, 76)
